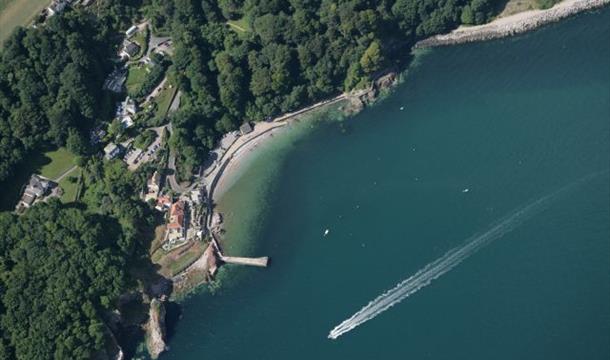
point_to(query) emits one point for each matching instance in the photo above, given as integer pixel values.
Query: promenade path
(212, 179)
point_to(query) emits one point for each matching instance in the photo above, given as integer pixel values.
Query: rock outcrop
(155, 329)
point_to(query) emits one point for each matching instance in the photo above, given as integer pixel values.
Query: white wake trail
(445, 263)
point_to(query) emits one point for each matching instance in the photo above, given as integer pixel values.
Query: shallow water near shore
(511, 121)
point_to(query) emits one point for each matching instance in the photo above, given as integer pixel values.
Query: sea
(349, 207)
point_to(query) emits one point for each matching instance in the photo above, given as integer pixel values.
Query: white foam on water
(444, 264)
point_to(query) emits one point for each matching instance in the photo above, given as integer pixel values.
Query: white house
(56, 7)
(127, 121)
(132, 30)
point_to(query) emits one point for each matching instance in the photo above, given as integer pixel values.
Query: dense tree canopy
(279, 55)
(62, 268)
(50, 83)
(59, 271)
(51, 79)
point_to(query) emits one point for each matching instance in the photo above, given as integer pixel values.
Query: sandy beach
(513, 24)
(234, 157)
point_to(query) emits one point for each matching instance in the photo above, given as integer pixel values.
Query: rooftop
(245, 128)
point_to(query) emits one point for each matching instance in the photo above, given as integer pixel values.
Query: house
(35, 189)
(27, 200)
(196, 196)
(154, 183)
(127, 121)
(56, 7)
(96, 135)
(246, 128)
(132, 30)
(153, 186)
(176, 228)
(130, 49)
(37, 186)
(129, 106)
(111, 151)
(124, 110)
(163, 203)
(126, 107)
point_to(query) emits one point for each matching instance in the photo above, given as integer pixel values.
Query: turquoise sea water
(511, 121)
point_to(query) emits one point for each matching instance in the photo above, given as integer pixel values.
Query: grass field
(50, 164)
(163, 101)
(135, 77)
(69, 187)
(172, 263)
(60, 161)
(18, 12)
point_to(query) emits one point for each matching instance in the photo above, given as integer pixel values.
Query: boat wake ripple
(451, 259)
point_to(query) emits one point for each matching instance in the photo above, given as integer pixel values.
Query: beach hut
(246, 128)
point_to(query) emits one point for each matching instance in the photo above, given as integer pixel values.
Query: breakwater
(512, 25)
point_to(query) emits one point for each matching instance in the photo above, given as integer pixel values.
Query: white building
(127, 122)
(132, 30)
(111, 151)
(56, 7)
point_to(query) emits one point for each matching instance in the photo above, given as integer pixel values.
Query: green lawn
(18, 12)
(185, 260)
(50, 164)
(141, 38)
(60, 161)
(135, 77)
(70, 188)
(164, 100)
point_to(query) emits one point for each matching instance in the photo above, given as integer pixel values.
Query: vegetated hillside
(51, 81)
(249, 60)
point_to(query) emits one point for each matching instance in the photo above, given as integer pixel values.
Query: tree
(467, 16)
(146, 138)
(231, 9)
(371, 59)
(76, 143)
(58, 275)
(50, 80)
(295, 52)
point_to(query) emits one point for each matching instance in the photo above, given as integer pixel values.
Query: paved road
(155, 41)
(173, 183)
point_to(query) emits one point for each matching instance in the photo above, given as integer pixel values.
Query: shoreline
(237, 155)
(515, 24)
(234, 155)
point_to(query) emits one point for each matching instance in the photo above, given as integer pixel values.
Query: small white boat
(326, 232)
(466, 190)
(402, 108)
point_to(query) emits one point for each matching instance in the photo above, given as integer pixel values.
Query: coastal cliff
(512, 25)
(155, 329)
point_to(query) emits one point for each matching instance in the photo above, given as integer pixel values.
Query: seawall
(512, 25)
